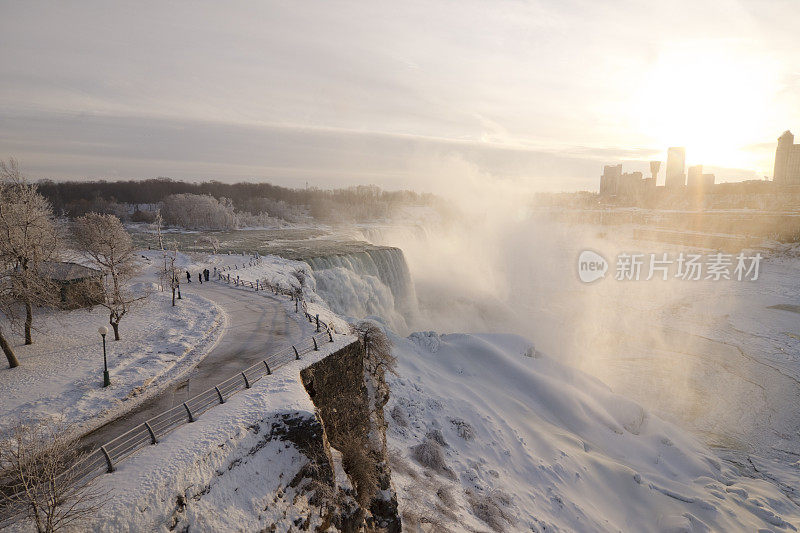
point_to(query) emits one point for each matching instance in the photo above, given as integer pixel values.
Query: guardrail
(149, 432)
(103, 459)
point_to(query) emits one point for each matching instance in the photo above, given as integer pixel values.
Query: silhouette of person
(188, 277)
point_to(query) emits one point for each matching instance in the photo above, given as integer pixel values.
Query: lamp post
(103, 331)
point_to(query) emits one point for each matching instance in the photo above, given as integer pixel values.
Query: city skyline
(416, 95)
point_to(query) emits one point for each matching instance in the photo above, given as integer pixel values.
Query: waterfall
(375, 281)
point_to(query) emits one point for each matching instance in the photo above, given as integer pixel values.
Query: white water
(715, 357)
(375, 282)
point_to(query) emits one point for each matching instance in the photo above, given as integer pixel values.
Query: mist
(679, 347)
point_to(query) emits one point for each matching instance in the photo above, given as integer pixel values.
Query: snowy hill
(513, 440)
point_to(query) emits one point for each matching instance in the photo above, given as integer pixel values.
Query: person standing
(188, 277)
(200, 277)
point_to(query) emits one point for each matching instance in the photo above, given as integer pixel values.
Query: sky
(539, 94)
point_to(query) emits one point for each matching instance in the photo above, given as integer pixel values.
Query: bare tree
(170, 275)
(211, 241)
(36, 478)
(7, 304)
(158, 224)
(28, 240)
(377, 348)
(104, 240)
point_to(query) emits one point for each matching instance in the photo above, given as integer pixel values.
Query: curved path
(258, 325)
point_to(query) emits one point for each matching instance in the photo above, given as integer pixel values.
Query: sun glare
(711, 98)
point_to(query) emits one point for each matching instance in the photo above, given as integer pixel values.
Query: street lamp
(103, 331)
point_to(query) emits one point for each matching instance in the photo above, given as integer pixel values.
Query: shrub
(436, 436)
(399, 416)
(463, 428)
(488, 509)
(429, 454)
(361, 469)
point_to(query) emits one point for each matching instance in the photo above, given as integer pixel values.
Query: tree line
(352, 204)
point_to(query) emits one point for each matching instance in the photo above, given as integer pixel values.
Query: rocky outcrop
(350, 403)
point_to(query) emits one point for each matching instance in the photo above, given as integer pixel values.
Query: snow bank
(279, 272)
(62, 372)
(219, 473)
(532, 445)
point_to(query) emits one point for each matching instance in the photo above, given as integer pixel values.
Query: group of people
(203, 274)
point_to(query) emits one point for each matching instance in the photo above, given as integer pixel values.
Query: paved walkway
(257, 326)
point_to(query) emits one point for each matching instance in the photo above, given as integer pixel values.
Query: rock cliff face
(350, 404)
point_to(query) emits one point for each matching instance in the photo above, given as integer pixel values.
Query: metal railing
(106, 457)
(149, 432)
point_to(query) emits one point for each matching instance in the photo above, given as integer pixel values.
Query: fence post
(268, 370)
(152, 433)
(296, 354)
(315, 343)
(221, 399)
(246, 381)
(108, 459)
(317, 322)
(189, 412)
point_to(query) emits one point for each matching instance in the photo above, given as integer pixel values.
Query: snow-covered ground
(527, 444)
(489, 433)
(61, 373)
(221, 473)
(279, 272)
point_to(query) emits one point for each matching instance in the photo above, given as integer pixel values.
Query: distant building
(708, 180)
(787, 161)
(676, 162)
(655, 166)
(630, 184)
(695, 180)
(610, 179)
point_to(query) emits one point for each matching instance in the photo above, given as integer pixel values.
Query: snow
(61, 373)
(279, 272)
(527, 442)
(550, 447)
(221, 464)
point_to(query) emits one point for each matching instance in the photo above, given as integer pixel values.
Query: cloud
(526, 90)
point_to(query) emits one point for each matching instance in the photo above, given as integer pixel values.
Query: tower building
(676, 162)
(787, 161)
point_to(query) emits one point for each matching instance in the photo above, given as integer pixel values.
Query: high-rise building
(787, 161)
(655, 166)
(610, 179)
(676, 161)
(695, 180)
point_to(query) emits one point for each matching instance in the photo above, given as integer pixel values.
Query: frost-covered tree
(199, 211)
(29, 239)
(106, 243)
(210, 241)
(37, 479)
(7, 304)
(377, 348)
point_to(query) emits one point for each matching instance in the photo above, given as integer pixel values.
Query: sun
(711, 97)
